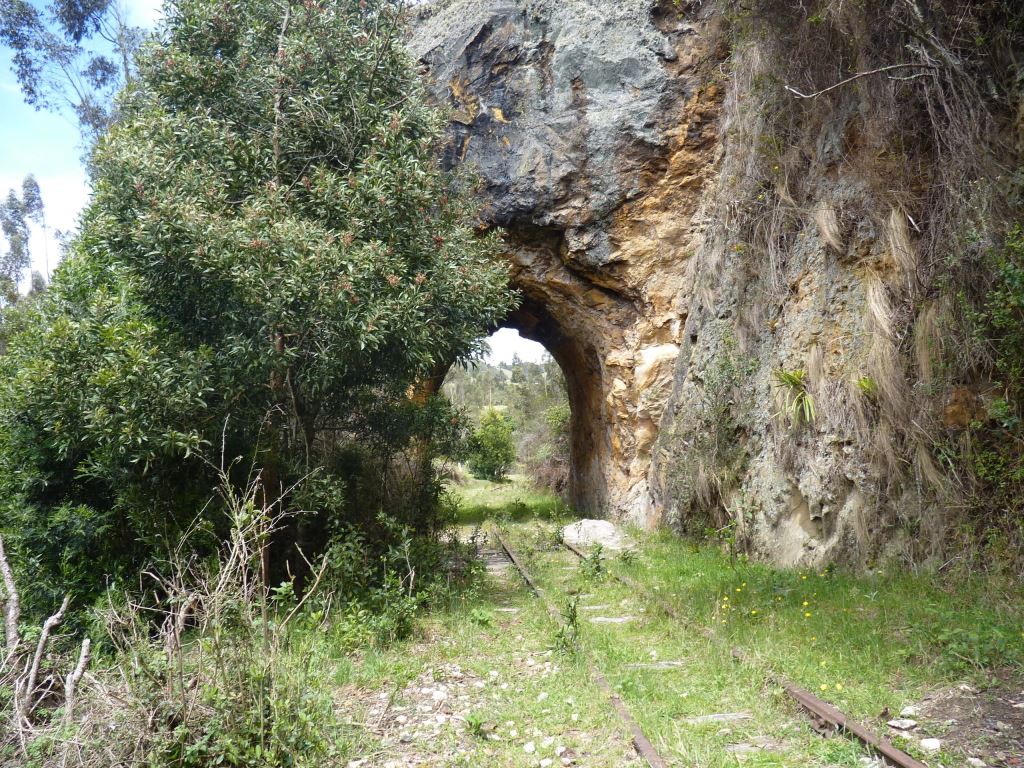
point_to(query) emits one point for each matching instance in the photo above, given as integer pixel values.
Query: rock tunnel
(589, 449)
(591, 137)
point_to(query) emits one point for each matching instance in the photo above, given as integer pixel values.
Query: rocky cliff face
(727, 273)
(594, 134)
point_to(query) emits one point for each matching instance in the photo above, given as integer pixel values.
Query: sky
(48, 145)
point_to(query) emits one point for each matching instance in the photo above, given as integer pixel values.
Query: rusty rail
(821, 711)
(641, 743)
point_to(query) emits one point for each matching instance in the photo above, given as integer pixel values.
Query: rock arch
(590, 130)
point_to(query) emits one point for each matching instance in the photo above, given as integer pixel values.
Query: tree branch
(12, 605)
(857, 76)
(74, 678)
(33, 672)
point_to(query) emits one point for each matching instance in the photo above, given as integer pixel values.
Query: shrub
(549, 465)
(798, 404)
(492, 451)
(270, 259)
(994, 454)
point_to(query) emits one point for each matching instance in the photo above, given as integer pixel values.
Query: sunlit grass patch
(868, 643)
(869, 629)
(515, 499)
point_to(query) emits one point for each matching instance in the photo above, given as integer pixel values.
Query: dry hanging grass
(828, 226)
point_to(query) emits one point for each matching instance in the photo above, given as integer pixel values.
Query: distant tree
(38, 284)
(71, 55)
(15, 214)
(492, 451)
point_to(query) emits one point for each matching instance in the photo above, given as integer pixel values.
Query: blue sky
(47, 144)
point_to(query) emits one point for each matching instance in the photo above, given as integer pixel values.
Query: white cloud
(145, 13)
(506, 343)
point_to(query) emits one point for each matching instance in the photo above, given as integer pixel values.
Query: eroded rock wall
(684, 230)
(592, 129)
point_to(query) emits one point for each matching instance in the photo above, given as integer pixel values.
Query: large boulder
(584, 534)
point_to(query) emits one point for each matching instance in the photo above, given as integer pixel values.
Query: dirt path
(488, 689)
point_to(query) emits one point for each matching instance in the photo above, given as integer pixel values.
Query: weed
(567, 636)
(867, 386)
(592, 566)
(798, 406)
(478, 725)
(482, 617)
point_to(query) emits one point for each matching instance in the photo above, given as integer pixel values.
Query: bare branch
(73, 679)
(12, 604)
(33, 672)
(858, 76)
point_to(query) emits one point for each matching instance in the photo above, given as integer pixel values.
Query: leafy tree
(534, 396)
(74, 54)
(15, 214)
(270, 247)
(492, 451)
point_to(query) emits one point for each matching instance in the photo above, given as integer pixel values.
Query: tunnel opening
(533, 334)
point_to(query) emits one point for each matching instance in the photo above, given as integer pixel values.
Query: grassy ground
(514, 500)
(870, 645)
(480, 683)
(488, 682)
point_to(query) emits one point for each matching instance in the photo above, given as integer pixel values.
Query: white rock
(586, 533)
(546, 762)
(903, 724)
(529, 747)
(909, 712)
(931, 745)
(975, 762)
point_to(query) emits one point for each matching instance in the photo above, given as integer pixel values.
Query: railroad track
(641, 743)
(826, 718)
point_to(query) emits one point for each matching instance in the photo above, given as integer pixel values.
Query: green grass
(514, 500)
(501, 636)
(864, 643)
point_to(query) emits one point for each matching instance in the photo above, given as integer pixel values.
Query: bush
(549, 464)
(223, 669)
(994, 454)
(492, 451)
(270, 259)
